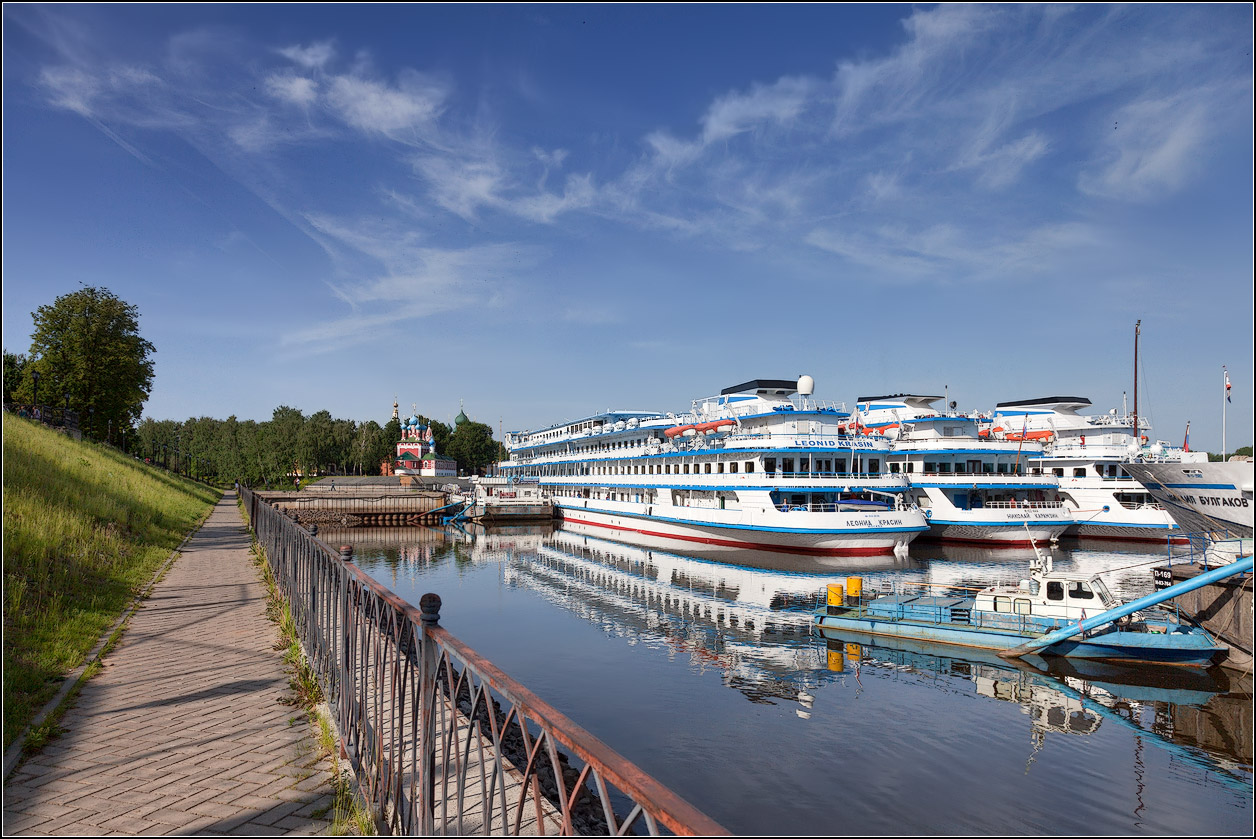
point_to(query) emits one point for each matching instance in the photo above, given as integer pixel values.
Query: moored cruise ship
(1085, 453)
(759, 466)
(971, 488)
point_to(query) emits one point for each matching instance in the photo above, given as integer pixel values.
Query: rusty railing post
(429, 606)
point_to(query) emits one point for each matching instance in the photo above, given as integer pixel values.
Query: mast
(1137, 434)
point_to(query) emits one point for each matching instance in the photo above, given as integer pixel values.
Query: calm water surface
(704, 671)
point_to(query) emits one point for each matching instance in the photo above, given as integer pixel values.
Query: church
(416, 450)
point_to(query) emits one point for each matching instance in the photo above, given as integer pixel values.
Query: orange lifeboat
(707, 427)
(678, 430)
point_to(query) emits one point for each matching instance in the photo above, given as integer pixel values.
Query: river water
(703, 670)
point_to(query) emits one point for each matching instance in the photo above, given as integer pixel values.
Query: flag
(1227, 386)
(1186, 444)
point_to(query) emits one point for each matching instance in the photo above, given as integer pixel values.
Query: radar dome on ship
(806, 385)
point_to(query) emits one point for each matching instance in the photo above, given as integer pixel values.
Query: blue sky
(543, 211)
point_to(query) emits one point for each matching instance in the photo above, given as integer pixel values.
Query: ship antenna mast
(1137, 326)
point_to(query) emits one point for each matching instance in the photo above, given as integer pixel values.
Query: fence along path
(442, 741)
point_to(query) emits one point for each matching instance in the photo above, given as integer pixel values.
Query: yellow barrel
(835, 595)
(836, 662)
(854, 652)
(854, 587)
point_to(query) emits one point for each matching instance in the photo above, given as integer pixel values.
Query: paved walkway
(183, 731)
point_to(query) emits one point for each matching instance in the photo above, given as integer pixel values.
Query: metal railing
(442, 741)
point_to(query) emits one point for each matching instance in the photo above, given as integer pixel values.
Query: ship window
(749, 465)
(930, 467)
(1023, 606)
(944, 468)
(1080, 591)
(707, 468)
(1079, 472)
(911, 467)
(1055, 590)
(719, 467)
(732, 467)
(841, 466)
(894, 468)
(686, 468)
(959, 468)
(769, 464)
(874, 466)
(787, 464)
(1002, 469)
(1002, 604)
(1058, 472)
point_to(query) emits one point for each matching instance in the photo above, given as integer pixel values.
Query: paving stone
(182, 732)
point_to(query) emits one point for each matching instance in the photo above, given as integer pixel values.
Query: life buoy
(1083, 439)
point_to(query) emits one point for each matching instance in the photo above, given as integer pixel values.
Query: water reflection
(530, 590)
(1065, 696)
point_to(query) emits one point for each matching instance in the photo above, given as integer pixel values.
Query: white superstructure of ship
(1085, 453)
(972, 488)
(759, 466)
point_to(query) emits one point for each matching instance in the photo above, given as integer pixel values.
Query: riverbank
(85, 527)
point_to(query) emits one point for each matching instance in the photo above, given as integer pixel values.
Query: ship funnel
(806, 385)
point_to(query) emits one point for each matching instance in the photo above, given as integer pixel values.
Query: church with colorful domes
(416, 451)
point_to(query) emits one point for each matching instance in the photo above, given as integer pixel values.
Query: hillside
(85, 527)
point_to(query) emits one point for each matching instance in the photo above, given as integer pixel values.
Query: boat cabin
(1048, 595)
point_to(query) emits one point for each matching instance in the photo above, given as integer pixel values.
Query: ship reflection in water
(873, 717)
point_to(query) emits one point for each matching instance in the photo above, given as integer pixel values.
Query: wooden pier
(363, 506)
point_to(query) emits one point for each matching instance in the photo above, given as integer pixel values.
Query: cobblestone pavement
(183, 731)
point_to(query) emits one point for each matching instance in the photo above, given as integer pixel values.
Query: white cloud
(734, 113)
(375, 107)
(1151, 148)
(295, 90)
(312, 57)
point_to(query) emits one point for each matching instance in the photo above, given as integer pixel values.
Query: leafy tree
(14, 368)
(473, 446)
(87, 346)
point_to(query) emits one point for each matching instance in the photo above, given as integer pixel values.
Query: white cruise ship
(1085, 454)
(759, 466)
(971, 488)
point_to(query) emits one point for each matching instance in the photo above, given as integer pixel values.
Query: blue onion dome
(461, 418)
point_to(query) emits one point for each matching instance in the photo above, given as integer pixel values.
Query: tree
(14, 369)
(87, 347)
(473, 446)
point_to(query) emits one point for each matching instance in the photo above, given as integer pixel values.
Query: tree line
(271, 452)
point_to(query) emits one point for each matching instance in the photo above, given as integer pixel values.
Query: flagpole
(1225, 380)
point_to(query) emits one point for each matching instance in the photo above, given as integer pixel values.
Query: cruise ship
(1086, 453)
(972, 488)
(760, 465)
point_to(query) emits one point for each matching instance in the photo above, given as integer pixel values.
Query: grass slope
(85, 527)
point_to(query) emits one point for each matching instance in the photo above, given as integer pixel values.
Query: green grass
(85, 528)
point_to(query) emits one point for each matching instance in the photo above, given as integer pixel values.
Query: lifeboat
(714, 427)
(676, 431)
(1033, 436)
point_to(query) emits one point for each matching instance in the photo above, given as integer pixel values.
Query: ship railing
(440, 739)
(834, 507)
(1022, 505)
